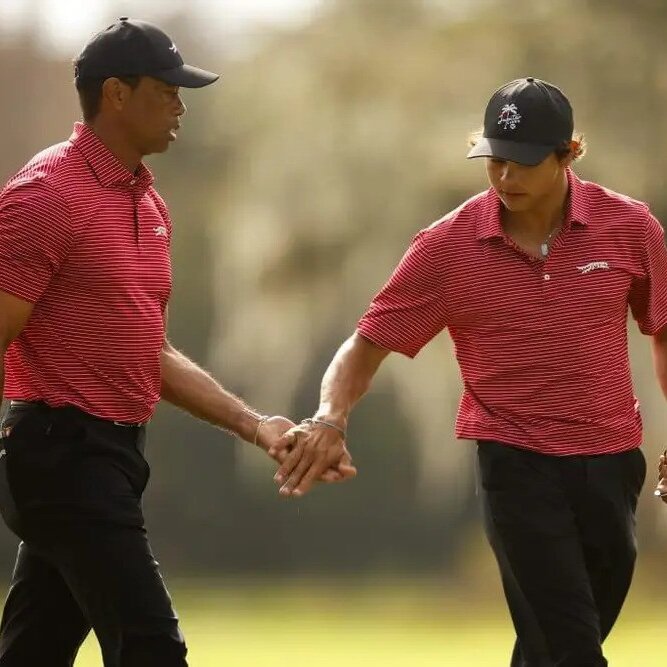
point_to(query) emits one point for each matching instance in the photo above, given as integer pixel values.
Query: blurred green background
(337, 131)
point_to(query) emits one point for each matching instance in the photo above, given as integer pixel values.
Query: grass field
(326, 625)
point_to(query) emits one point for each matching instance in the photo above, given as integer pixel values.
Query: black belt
(15, 403)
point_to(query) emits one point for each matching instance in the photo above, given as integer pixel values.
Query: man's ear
(115, 93)
(568, 159)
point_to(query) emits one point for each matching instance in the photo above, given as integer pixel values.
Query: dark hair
(90, 93)
(561, 151)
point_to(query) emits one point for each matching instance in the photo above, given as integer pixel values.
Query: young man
(85, 277)
(534, 279)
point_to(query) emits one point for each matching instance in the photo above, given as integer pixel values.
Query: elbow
(166, 364)
(371, 353)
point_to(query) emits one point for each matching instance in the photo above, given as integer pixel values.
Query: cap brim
(186, 76)
(512, 151)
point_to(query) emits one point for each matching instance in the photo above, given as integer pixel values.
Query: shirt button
(547, 276)
(133, 181)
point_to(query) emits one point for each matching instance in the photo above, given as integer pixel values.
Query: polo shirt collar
(578, 211)
(489, 224)
(106, 166)
(488, 221)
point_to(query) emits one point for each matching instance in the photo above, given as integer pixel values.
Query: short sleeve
(409, 310)
(648, 293)
(35, 236)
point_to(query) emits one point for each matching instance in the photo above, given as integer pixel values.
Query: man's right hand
(319, 452)
(662, 477)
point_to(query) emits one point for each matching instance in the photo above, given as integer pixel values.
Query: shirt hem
(99, 414)
(554, 450)
(380, 342)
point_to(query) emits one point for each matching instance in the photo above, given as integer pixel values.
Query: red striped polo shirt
(87, 242)
(541, 344)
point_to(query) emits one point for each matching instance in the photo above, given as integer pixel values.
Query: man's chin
(511, 204)
(161, 147)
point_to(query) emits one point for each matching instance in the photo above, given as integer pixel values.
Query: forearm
(660, 360)
(187, 386)
(348, 378)
(659, 348)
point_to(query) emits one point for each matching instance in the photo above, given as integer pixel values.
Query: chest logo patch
(160, 231)
(593, 266)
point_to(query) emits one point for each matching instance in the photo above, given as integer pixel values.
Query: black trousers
(563, 533)
(70, 488)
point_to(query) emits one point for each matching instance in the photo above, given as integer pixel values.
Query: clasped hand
(307, 453)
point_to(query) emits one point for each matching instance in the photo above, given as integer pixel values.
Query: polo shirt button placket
(135, 209)
(548, 277)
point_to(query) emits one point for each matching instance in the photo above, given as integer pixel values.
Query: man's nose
(506, 171)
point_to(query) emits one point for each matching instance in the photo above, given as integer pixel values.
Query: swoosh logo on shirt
(593, 266)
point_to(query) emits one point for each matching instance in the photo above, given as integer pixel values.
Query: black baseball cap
(525, 120)
(137, 48)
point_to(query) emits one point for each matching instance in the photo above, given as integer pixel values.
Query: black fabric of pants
(563, 532)
(70, 488)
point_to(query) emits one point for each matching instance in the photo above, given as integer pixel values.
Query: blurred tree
(295, 186)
